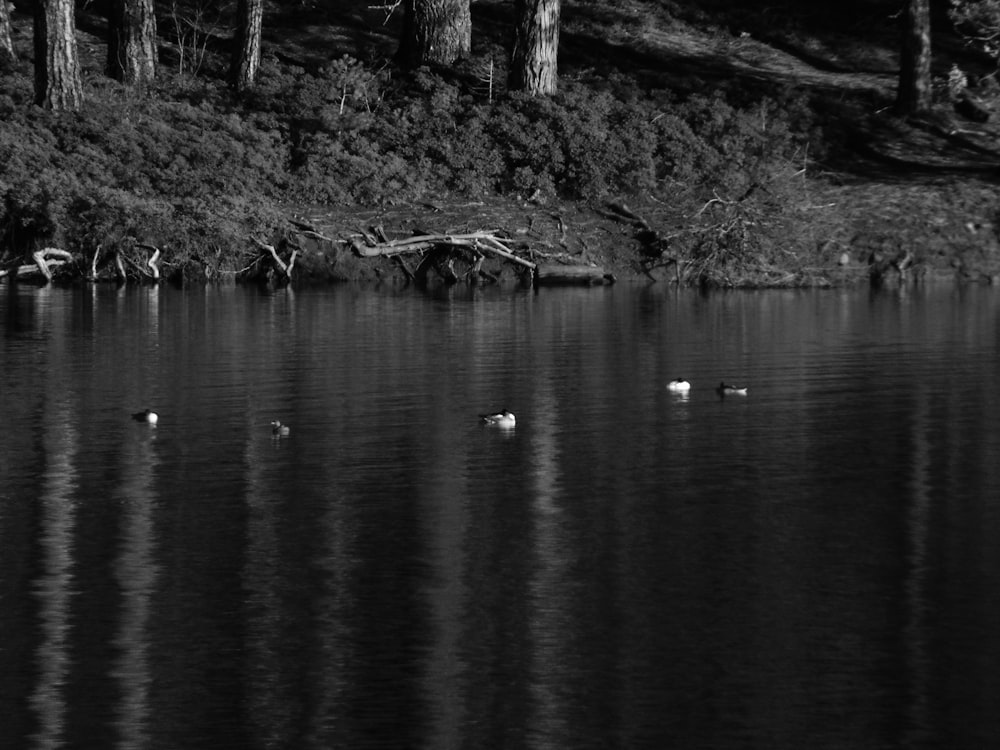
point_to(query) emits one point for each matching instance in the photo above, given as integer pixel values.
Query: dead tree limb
(43, 261)
(437, 249)
(154, 260)
(120, 267)
(475, 241)
(93, 264)
(285, 268)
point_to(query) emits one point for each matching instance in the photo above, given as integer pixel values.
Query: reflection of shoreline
(915, 630)
(136, 572)
(54, 588)
(262, 586)
(550, 619)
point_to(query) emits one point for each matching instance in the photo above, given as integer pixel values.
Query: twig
(388, 8)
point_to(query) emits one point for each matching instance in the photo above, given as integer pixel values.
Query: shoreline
(320, 245)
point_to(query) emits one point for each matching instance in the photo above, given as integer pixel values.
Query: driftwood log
(436, 251)
(475, 241)
(44, 261)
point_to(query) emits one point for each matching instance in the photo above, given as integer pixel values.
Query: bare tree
(914, 93)
(533, 62)
(57, 67)
(132, 55)
(6, 45)
(435, 32)
(246, 44)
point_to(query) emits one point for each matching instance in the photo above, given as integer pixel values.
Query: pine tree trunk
(6, 45)
(246, 44)
(132, 54)
(914, 94)
(57, 68)
(435, 32)
(533, 63)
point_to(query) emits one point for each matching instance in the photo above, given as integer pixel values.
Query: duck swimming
(679, 385)
(150, 417)
(280, 430)
(724, 389)
(503, 418)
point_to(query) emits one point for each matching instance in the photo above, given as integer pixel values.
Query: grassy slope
(875, 185)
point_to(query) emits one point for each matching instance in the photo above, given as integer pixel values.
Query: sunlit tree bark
(132, 55)
(57, 67)
(533, 67)
(435, 32)
(6, 45)
(914, 94)
(246, 44)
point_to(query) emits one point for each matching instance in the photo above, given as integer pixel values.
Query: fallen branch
(120, 266)
(93, 264)
(31, 269)
(418, 243)
(154, 260)
(44, 261)
(285, 268)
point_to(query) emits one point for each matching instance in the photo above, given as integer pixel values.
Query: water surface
(811, 565)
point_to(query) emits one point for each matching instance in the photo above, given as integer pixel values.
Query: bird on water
(503, 418)
(726, 389)
(150, 417)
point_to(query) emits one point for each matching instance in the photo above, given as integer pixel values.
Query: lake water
(813, 565)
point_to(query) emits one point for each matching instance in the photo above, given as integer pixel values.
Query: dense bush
(191, 164)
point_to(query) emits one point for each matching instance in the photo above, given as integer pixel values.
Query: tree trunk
(246, 44)
(57, 68)
(435, 32)
(914, 94)
(132, 55)
(6, 45)
(533, 67)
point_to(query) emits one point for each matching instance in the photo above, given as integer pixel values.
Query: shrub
(192, 164)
